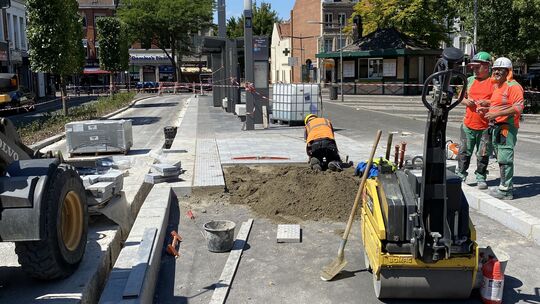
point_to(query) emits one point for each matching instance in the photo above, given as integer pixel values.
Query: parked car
(532, 80)
(147, 86)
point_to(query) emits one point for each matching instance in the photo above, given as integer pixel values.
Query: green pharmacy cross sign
(286, 52)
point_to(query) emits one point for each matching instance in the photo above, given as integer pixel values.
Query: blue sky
(236, 8)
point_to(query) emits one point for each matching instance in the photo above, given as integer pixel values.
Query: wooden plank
(265, 117)
(138, 271)
(227, 275)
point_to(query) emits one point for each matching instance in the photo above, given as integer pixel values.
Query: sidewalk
(219, 141)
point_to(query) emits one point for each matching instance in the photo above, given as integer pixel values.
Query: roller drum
(423, 283)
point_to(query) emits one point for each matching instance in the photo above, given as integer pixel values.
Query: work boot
(462, 176)
(347, 165)
(335, 166)
(503, 195)
(315, 164)
(482, 185)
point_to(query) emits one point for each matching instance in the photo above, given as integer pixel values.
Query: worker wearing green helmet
(474, 130)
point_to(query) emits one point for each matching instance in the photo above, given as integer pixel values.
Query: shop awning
(89, 71)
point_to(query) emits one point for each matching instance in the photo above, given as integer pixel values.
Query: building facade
(384, 62)
(315, 27)
(90, 10)
(304, 34)
(280, 64)
(14, 49)
(459, 39)
(153, 65)
(335, 14)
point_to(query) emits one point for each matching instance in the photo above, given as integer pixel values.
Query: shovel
(331, 270)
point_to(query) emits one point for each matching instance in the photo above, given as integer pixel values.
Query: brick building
(314, 29)
(335, 13)
(90, 10)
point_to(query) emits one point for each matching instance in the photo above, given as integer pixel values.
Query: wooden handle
(389, 145)
(362, 184)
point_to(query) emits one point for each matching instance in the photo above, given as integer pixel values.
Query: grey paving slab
(288, 233)
(208, 172)
(183, 147)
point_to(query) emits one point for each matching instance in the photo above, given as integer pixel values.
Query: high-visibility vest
(477, 90)
(319, 128)
(510, 94)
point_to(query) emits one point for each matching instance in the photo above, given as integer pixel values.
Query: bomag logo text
(399, 260)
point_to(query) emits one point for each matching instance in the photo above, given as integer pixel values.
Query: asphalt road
(148, 116)
(47, 106)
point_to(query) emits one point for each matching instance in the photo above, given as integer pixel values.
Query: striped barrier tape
(28, 107)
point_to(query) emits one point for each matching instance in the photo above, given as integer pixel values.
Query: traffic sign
(293, 61)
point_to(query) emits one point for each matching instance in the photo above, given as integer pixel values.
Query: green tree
(426, 20)
(113, 46)
(170, 25)
(505, 27)
(264, 18)
(235, 27)
(55, 35)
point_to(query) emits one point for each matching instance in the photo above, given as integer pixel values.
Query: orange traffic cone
(492, 287)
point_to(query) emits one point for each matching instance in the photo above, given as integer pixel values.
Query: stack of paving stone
(163, 172)
(101, 188)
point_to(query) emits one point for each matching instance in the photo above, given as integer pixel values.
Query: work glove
(361, 167)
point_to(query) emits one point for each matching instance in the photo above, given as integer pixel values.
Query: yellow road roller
(418, 239)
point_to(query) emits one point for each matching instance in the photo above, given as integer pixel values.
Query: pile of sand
(286, 193)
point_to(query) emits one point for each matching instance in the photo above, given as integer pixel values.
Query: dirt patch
(289, 193)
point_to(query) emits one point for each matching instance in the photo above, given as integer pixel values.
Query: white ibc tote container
(292, 102)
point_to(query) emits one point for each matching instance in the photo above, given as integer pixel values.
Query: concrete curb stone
(153, 214)
(536, 234)
(506, 214)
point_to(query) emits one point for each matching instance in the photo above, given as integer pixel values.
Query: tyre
(65, 210)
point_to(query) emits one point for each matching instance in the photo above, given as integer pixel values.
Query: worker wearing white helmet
(505, 109)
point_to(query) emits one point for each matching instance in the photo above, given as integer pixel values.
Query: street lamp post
(340, 25)
(248, 57)
(475, 21)
(341, 60)
(127, 80)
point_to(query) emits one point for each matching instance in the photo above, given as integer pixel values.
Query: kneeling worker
(320, 144)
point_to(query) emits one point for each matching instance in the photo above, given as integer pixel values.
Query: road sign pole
(248, 49)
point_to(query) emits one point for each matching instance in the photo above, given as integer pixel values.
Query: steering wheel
(440, 79)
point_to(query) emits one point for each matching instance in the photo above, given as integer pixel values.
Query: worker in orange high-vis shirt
(505, 109)
(320, 144)
(474, 130)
